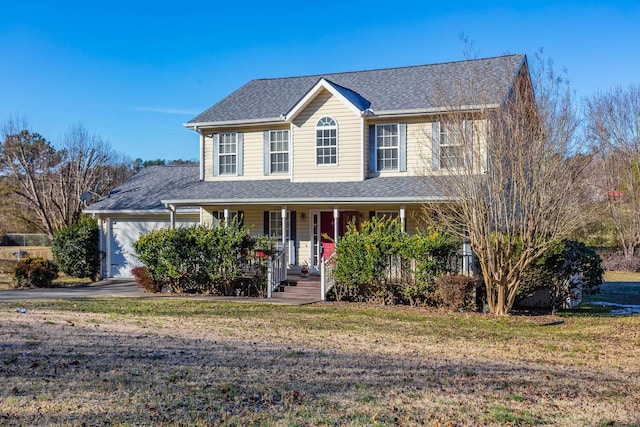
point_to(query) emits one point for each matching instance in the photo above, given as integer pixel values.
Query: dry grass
(192, 362)
(621, 276)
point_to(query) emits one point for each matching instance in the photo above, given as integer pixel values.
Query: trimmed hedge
(379, 262)
(75, 249)
(35, 273)
(196, 259)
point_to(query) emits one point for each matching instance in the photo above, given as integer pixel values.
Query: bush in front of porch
(204, 259)
(380, 263)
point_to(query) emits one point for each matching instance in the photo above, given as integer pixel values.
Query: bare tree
(513, 175)
(613, 127)
(51, 180)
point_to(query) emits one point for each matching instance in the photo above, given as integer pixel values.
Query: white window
(388, 147)
(278, 151)
(275, 225)
(235, 218)
(451, 146)
(227, 153)
(326, 142)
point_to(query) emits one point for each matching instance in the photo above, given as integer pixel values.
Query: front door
(323, 231)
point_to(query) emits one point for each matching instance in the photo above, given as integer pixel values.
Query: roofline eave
(305, 201)
(232, 123)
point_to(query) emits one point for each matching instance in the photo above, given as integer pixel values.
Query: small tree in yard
(613, 127)
(519, 192)
(76, 251)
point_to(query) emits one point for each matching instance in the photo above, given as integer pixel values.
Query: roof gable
(350, 99)
(423, 88)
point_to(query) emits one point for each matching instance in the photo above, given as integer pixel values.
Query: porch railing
(326, 275)
(276, 271)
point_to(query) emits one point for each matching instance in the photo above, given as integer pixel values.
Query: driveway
(124, 288)
(103, 288)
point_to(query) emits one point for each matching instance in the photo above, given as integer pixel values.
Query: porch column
(226, 216)
(336, 218)
(109, 232)
(283, 218)
(172, 216)
(403, 218)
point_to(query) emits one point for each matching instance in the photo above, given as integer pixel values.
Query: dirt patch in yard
(225, 364)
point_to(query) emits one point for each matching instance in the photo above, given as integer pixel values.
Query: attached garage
(120, 236)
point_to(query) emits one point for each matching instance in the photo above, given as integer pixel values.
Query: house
(301, 157)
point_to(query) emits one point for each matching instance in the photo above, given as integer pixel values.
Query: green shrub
(381, 263)
(567, 268)
(35, 272)
(75, 249)
(144, 281)
(196, 259)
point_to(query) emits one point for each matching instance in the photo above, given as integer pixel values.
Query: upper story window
(451, 143)
(276, 149)
(227, 155)
(388, 147)
(451, 146)
(326, 142)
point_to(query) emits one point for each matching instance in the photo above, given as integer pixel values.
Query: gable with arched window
(326, 141)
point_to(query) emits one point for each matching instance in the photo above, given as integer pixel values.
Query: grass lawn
(194, 362)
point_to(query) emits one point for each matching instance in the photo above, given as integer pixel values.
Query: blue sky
(134, 71)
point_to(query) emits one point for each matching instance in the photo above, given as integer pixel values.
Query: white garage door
(124, 233)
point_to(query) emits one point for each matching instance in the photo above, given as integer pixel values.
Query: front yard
(193, 362)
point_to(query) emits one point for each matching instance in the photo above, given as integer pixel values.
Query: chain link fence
(25, 239)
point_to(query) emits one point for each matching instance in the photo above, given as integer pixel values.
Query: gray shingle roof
(424, 87)
(147, 190)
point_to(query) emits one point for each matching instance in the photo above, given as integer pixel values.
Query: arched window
(326, 142)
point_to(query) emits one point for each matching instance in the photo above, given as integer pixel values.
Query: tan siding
(419, 146)
(253, 156)
(349, 142)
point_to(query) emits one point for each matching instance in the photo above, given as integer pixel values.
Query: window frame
(230, 154)
(285, 152)
(450, 130)
(392, 149)
(326, 123)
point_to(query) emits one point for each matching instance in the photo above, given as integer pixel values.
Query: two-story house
(300, 157)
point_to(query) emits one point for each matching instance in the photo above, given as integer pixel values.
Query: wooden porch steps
(297, 287)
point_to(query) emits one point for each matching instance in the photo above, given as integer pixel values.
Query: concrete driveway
(103, 288)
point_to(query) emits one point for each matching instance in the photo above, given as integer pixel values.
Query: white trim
(108, 257)
(202, 153)
(313, 92)
(362, 168)
(229, 123)
(291, 158)
(307, 201)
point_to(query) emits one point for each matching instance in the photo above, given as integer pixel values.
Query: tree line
(45, 186)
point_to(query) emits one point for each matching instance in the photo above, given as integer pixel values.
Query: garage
(120, 236)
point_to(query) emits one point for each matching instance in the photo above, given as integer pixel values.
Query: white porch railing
(326, 275)
(276, 271)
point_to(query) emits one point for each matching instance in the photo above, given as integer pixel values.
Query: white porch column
(109, 237)
(172, 216)
(336, 218)
(226, 216)
(403, 218)
(283, 218)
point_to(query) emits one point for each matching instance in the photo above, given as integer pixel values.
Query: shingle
(146, 190)
(422, 87)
